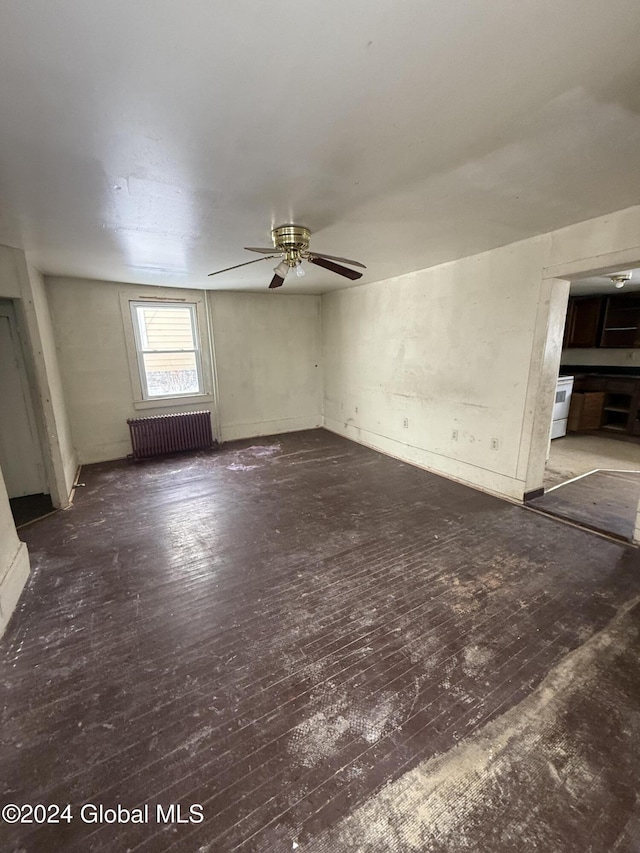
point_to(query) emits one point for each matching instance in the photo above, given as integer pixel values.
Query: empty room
(319, 426)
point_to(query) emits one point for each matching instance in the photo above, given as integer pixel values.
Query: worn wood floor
(277, 631)
(606, 501)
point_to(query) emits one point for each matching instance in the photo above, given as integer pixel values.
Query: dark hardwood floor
(278, 630)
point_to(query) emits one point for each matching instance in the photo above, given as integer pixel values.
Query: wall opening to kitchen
(592, 471)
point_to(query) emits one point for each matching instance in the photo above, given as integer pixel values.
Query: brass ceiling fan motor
(291, 238)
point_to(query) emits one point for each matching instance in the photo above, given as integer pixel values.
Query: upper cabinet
(621, 325)
(603, 321)
(584, 321)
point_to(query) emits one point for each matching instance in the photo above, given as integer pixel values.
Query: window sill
(173, 402)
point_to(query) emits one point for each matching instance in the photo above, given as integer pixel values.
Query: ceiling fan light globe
(282, 269)
(300, 271)
(619, 279)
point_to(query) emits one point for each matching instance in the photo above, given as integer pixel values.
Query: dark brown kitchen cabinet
(621, 325)
(603, 321)
(584, 319)
(620, 404)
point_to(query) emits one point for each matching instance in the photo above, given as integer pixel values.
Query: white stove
(561, 406)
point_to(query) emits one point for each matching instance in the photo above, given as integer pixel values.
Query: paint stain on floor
(558, 772)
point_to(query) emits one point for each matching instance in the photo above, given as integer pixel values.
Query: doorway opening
(21, 457)
(592, 471)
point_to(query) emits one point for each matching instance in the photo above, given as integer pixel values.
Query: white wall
(14, 561)
(268, 355)
(602, 357)
(9, 281)
(266, 350)
(94, 366)
(472, 345)
(447, 348)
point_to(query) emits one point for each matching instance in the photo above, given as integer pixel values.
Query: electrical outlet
(356, 410)
(495, 444)
(405, 423)
(454, 435)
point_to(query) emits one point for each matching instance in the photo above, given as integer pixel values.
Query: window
(167, 347)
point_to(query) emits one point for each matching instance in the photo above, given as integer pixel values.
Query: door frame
(9, 309)
(550, 323)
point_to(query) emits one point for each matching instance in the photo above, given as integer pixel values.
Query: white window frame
(141, 398)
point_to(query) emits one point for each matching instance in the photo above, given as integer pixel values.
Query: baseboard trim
(236, 432)
(11, 585)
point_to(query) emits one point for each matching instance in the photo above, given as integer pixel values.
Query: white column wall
(14, 561)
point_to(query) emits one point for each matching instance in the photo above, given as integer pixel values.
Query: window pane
(171, 373)
(165, 328)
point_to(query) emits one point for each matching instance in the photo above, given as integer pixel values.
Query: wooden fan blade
(329, 265)
(342, 260)
(246, 263)
(276, 281)
(266, 251)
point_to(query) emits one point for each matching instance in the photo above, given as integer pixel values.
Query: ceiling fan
(292, 243)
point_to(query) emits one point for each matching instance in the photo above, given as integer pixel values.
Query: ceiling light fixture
(282, 269)
(620, 278)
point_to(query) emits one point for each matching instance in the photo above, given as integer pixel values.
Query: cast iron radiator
(162, 434)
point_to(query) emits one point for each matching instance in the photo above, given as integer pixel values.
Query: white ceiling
(149, 141)
(602, 284)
